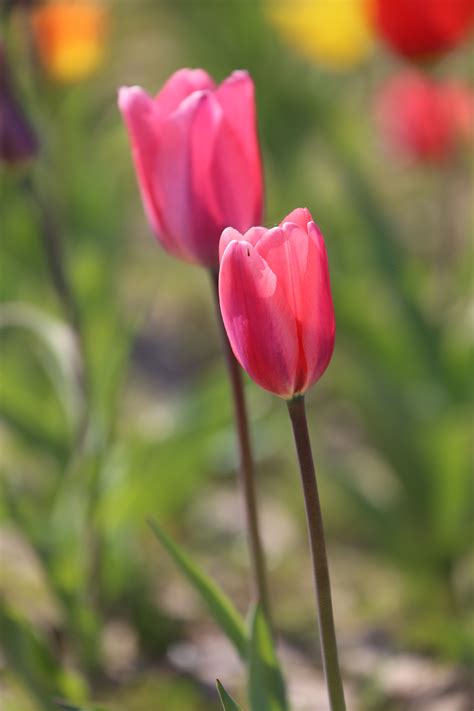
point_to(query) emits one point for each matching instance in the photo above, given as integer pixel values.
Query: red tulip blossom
(419, 29)
(197, 159)
(276, 303)
(423, 119)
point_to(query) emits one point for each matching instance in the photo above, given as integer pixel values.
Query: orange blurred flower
(70, 37)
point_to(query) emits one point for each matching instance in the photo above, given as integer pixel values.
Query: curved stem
(327, 634)
(246, 467)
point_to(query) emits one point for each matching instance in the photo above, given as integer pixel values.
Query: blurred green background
(91, 608)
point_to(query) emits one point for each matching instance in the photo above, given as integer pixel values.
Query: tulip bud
(422, 119)
(18, 141)
(197, 159)
(276, 303)
(422, 29)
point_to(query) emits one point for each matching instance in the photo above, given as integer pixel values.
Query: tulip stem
(53, 251)
(246, 466)
(327, 634)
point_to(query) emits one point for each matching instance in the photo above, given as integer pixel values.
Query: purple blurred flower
(8, 5)
(18, 141)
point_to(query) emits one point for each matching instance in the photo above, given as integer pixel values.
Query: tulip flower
(197, 159)
(422, 119)
(18, 141)
(422, 29)
(276, 303)
(461, 100)
(70, 38)
(336, 34)
(277, 309)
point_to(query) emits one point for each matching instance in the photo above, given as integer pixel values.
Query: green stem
(246, 467)
(52, 247)
(327, 634)
(53, 250)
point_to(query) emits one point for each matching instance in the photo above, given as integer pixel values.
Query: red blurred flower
(18, 141)
(276, 303)
(197, 159)
(419, 29)
(424, 119)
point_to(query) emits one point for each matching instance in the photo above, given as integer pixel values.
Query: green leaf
(29, 655)
(59, 353)
(228, 703)
(266, 684)
(219, 605)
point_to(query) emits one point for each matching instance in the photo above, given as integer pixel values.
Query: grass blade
(228, 703)
(218, 604)
(266, 684)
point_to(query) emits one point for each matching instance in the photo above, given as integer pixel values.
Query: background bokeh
(91, 608)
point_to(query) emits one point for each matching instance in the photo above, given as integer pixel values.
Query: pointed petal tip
(228, 235)
(240, 74)
(239, 246)
(230, 230)
(196, 75)
(300, 216)
(193, 79)
(126, 95)
(237, 76)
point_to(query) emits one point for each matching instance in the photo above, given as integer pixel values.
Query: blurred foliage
(124, 414)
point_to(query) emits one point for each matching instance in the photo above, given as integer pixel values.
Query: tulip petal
(236, 183)
(285, 249)
(252, 235)
(301, 216)
(299, 260)
(222, 178)
(204, 201)
(319, 326)
(180, 85)
(236, 96)
(259, 324)
(137, 110)
(173, 180)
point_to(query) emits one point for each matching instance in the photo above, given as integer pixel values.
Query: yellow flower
(70, 38)
(337, 33)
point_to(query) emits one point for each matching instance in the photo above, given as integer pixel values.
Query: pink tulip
(276, 303)
(197, 159)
